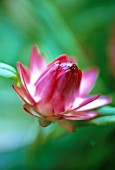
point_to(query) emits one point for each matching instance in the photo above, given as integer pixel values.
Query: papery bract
(58, 92)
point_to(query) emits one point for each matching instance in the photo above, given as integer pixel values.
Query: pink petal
(45, 85)
(80, 115)
(95, 103)
(58, 103)
(24, 75)
(37, 64)
(30, 110)
(23, 72)
(44, 108)
(81, 102)
(24, 95)
(71, 88)
(67, 125)
(47, 92)
(88, 80)
(61, 59)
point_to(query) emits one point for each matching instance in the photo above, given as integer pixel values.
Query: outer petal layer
(96, 103)
(80, 115)
(25, 79)
(88, 80)
(24, 75)
(37, 65)
(24, 94)
(30, 109)
(67, 125)
(45, 108)
(81, 102)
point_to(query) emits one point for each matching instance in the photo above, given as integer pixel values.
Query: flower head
(58, 92)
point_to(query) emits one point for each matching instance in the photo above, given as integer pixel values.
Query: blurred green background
(81, 28)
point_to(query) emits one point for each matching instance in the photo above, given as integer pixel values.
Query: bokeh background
(81, 28)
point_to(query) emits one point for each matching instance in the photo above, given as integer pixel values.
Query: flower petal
(67, 125)
(80, 115)
(45, 85)
(58, 103)
(88, 80)
(95, 103)
(37, 64)
(81, 102)
(24, 94)
(62, 58)
(31, 110)
(25, 79)
(23, 72)
(67, 89)
(45, 108)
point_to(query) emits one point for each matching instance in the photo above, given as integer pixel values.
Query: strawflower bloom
(58, 92)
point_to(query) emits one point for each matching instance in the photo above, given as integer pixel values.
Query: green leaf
(106, 116)
(106, 110)
(8, 71)
(102, 121)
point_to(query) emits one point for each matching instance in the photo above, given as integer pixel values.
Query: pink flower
(58, 92)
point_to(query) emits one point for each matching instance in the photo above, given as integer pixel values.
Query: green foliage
(106, 111)
(102, 121)
(8, 72)
(106, 116)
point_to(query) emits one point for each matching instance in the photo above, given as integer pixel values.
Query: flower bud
(57, 92)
